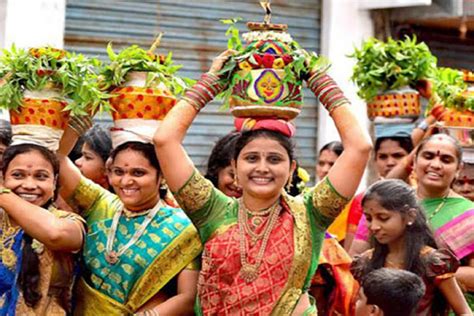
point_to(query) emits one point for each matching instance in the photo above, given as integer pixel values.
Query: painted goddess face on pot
(268, 86)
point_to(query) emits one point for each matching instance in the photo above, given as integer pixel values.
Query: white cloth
(36, 134)
(133, 130)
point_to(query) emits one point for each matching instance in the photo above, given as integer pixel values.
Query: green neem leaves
(389, 65)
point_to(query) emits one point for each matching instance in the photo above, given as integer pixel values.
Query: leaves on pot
(134, 58)
(450, 89)
(72, 74)
(390, 65)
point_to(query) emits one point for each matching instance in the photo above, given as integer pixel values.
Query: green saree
(169, 244)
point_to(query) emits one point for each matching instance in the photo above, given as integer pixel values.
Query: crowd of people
(134, 228)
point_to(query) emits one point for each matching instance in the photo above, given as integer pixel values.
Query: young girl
(402, 239)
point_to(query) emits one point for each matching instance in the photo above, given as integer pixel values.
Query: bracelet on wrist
(327, 91)
(423, 125)
(203, 91)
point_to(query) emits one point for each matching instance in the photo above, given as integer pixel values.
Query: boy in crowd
(389, 292)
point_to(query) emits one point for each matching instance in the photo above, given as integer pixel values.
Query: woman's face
(31, 177)
(263, 168)
(388, 156)
(386, 226)
(92, 166)
(134, 180)
(436, 165)
(227, 184)
(464, 183)
(326, 160)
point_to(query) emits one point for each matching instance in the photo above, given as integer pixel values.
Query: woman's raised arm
(69, 174)
(348, 169)
(175, 163)
(63, 234)
(346, 173)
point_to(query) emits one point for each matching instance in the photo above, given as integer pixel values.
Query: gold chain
(437, 210)
(249, 272)
(257, 219)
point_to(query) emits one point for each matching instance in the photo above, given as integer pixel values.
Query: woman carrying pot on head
(261, 250)
(139, 253)
(37, 240)
(437, 160)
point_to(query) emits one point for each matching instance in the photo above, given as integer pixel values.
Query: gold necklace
(258, 217)
(393, 264)
(7, 240)
(249, 272)
(438, 209)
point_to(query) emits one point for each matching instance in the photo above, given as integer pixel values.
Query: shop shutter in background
(193, 33)
(444, 42)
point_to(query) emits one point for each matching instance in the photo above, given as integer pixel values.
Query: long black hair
(396, 196)
(30, 273)
(99, 141)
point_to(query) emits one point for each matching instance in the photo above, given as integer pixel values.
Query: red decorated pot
(135, 101)
(396, 103)
(42, 108)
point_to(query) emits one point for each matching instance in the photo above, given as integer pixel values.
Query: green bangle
(5, 190)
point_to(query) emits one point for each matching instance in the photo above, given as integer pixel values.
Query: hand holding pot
(219, 61)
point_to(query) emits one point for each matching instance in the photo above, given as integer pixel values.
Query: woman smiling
(38, 240)
(261, 250)
(437, 160)
(139, 252)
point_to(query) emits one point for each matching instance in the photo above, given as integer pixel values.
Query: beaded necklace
(113, 256)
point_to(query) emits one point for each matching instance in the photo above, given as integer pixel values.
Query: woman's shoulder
(174, 212)
(65, 214)
(438, 262)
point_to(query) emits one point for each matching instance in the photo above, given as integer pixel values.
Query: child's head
(389, 292)
(394, 215)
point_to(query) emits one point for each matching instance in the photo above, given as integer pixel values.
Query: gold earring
(236, 181)
(289, 184)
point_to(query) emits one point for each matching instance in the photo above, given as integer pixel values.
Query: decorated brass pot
(265, 83)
